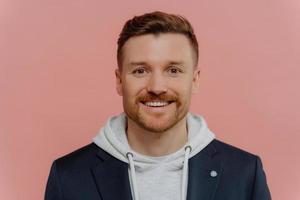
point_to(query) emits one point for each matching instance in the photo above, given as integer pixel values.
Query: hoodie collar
(112, 139)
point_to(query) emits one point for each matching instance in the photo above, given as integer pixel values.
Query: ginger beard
(144, 116)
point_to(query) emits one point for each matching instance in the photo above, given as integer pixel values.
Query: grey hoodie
(155, 178)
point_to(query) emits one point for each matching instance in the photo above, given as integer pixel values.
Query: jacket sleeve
(53, 189)
(260, 187)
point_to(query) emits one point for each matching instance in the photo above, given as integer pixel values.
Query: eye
(139, 71)
(174, 70)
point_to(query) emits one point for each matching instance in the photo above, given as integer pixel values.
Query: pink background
(57, 83)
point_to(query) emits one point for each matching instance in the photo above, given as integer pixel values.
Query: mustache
(155, 97)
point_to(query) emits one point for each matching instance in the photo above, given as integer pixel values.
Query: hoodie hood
(171, 169)
(112, 139)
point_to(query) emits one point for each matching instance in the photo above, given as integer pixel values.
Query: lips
(156, 103)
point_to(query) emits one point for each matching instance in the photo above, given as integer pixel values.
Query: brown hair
(155, 23)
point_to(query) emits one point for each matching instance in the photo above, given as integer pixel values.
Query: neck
(156, 144)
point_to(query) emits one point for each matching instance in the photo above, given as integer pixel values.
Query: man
(156, 149)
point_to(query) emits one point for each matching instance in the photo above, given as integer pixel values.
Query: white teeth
(156, 103)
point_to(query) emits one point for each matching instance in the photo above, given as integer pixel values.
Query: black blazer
(218, 172)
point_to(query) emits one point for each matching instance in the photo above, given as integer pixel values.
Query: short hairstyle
(155, 23)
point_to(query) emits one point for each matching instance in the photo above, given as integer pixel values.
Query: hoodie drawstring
(129, 155)
(187, 150)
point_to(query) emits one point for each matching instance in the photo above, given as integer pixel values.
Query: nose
(157, 84)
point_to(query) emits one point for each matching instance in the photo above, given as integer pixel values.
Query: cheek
(182, 87)
(132, 89)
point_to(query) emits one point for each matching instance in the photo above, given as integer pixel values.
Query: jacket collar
(111, 176)
(204, 174)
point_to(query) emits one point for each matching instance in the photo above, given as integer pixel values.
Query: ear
(196, 81)
(118, 74)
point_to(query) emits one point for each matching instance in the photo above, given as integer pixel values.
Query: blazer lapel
(204, 174)
(111, 178)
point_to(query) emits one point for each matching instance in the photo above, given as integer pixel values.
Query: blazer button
(213, 173)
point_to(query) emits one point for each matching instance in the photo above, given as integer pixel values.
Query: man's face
(157, 79)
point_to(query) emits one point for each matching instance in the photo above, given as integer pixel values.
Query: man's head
(157, 70)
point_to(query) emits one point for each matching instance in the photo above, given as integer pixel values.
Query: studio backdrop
(57, 82)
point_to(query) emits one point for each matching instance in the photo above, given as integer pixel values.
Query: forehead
(150, 48)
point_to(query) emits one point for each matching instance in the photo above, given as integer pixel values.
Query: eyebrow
(137, 63)
(144, 63)
(176, 63)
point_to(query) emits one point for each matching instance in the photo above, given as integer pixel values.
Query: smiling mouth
(156, 103)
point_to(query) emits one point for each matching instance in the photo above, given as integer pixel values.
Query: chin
(156, 128)
(157, 123)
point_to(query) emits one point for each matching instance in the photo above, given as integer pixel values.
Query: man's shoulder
(83, 157)
(83, 151)
(232, 154)
(230, 149)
